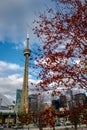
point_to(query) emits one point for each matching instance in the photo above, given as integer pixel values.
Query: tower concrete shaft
(24, 98)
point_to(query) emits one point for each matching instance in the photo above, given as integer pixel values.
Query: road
(48, 128)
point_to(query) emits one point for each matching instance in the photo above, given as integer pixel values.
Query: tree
(64, 34)
(37, 106)
(1, 117)
(84, 114)
(77, 115)
(40, 109)
(25, 119)
(48, 117)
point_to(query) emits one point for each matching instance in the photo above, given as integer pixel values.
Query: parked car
(5, 125)
(58, 124)
(67, 123)
(1, 127)
(18, 127)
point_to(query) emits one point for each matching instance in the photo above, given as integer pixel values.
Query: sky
(16, 20)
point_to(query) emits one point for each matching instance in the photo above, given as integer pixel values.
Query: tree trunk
(54, 128)
(40, 124)
(76, 127)
(40, 128)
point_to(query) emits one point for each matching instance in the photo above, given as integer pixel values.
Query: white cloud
(4, 66)
(14, 16)
(11, 79)
(77, 61)
(78, 90)
(9, 85)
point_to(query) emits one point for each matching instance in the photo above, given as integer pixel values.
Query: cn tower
(24, 98)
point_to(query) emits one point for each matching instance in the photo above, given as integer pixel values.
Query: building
(33, 106)
(63, 101)
(33, 101)
(79, 99)
(7, 112)
(24, 97)
(18, 99)
(56, 104)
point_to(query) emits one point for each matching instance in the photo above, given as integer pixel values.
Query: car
(18, 127)
(58, 124)
(5, 125)
(67, 123)
(1, 127)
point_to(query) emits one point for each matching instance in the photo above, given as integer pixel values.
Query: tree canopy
(64, 34)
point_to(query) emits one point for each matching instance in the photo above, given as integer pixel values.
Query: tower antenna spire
(27, 41)
(27, 38)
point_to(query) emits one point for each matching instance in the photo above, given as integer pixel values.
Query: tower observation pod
(24, 97)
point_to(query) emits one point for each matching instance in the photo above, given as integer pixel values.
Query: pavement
(31, 127)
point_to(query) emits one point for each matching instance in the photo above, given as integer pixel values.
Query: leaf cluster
(65, 46)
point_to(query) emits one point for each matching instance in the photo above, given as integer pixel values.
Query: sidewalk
(31, 127)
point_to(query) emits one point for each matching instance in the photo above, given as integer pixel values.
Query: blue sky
(15, 15)
(8, 53)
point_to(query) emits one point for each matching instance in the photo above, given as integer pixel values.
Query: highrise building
(63, 101)
(24, 98)
(18, 99)
(80, 99)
